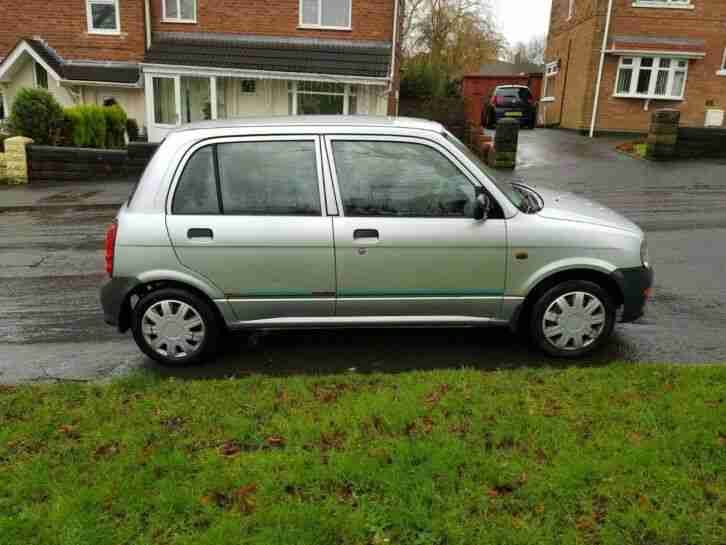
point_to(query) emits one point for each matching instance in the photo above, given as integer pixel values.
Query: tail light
(531, 100)
(496, 100)
(110, 246)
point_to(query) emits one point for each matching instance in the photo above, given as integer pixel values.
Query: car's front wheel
(572, 319)
(175, 327)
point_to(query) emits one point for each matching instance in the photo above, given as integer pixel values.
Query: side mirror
(482, 205)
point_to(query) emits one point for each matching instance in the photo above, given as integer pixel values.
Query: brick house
(658, 54)
(168, 62)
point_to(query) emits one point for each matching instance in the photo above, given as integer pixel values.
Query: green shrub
(37, 115)
(86, 125)
(132, 129)
(115, 126)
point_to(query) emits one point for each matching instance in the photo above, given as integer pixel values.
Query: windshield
(505, 187)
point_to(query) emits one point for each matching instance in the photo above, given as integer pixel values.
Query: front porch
(173, 99)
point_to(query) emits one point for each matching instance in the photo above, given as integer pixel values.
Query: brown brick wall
(63, 24)
(372, 19)
(704, 89)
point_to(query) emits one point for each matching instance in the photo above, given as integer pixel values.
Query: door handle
(365, 233)
(200, 233)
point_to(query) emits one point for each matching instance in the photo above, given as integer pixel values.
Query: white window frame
(650, 95)
(664, 4)
(319, 24)
(178, 19)
(571, 11)
(346, 94)
(242, 87)
(89, 17)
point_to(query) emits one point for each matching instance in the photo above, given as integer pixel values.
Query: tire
(192, 332)
(567, 306)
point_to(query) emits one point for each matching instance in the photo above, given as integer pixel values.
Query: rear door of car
(248, 214)
(406, 242)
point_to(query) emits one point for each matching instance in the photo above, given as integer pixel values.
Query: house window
(651, 78)
(663, 4)
(552, 68)
(41, 76)
(325, 13)
(248, 86)
(315, 98)
(180, 11)
(103, 16)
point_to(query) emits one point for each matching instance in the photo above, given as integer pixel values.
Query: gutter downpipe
(393, 52)
(147, 24)
(602, 67)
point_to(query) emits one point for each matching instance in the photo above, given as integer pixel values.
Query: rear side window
(197, 189)
(277, 178)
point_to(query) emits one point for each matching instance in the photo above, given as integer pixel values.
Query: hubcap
(574, 321)
(173, 329)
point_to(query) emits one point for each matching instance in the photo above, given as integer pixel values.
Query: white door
(163, 105)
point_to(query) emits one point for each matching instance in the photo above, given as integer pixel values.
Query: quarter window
(277, 178)
(180, 11)
(103, 16)
(326, 13)
(400, 179)
(197, 189)
(651, 77)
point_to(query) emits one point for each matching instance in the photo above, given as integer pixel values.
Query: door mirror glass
(482, 205)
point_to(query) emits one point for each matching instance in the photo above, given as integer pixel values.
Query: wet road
(51, 264)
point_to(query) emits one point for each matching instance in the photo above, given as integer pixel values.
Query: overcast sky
(519, 20)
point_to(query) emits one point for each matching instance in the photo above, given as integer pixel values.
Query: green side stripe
(422, 293)
(296, 293)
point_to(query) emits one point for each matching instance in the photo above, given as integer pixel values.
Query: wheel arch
(596, 276)
(144, 288)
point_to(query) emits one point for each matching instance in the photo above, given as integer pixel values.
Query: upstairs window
(326, 14)
(652, 78)
(103, 16)
(41, 76)
(180, 11)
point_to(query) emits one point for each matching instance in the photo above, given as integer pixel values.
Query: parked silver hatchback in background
(354, 221)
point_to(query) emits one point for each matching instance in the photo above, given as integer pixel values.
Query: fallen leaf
(245, 498)
(230, 448)
(275, 441)
(722, 439)
(108, 449)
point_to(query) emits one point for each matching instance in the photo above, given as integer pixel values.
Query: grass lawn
(622, 454)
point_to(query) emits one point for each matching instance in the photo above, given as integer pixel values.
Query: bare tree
(531, 51)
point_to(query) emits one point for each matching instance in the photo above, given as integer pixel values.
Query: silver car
(324, 222)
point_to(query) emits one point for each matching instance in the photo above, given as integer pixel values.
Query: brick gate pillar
(506, 140)
(663, 135)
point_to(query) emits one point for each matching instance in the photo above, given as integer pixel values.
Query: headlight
(644, 257)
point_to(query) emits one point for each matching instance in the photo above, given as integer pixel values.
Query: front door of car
(406, 241)
(247, 213)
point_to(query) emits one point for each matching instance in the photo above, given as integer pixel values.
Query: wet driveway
(51, 263)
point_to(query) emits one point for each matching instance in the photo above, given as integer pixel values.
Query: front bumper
(114, 295)
(635, 284)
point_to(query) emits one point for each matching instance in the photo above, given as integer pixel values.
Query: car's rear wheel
(572, 319)
(175, 327)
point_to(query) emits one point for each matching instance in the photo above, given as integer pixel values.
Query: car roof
(512, 87)
(317, 121)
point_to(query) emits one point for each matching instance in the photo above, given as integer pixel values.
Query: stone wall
(64, 164)
(13, 163)
(667, 140)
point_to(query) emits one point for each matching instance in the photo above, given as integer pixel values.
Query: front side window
(400, 179)
(651, 78)
(325, 13)
(180, 11)
(196, 192)
(278, 178)
(103, 16)
(41, 76)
